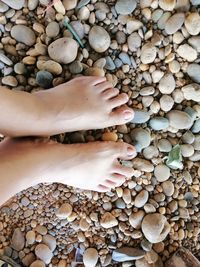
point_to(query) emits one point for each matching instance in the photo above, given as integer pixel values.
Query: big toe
(123, 151)
(121, 115)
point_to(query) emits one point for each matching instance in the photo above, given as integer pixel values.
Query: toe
(118, 100)
(110, 93)
(118, 179)
(109, 184)
(122, 150)
(100, 87)
(102, 188)
(121, 115)
(92, 80)
(123, 170)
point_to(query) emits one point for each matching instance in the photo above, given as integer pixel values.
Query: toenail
(128, 115)
(131, 151)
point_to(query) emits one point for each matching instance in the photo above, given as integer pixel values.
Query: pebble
(168, 188)
(43, 252)
(32, 4)
(5, 60)
(187, 52)
(135, 219)
(179, 119)
(94, 72)
(174, 23)
(193, 71)
(166, 103)
(140, 116)
(79, 28)
(30, 237)
(52, 29)
(162, 172)
(194, 41)
(99, 39)
(191, 92)
(187, 150)
(50, 241)
(125, 7)
(19, 68)
(149, 90)
(108, 220)
(10, 81)
(69, 5)
(148, 53)
(59, 50)
(167, 5)
(134, 41)
(125, 58)
(110, 65)
(14, 4)
(50, 66)
(23, 34)
(188, 137)
(164, 145)
(64, 211)
(3, 7)
(133, 25)
(196, 126)
(142, 165)
(150, 152)
(192, 23)
(18, 240)
(124, 254)
(120, 204)
(141, 137)
(167, 84)
(44, 79)
(76, 67)
(155, 227)
(159, 123)
(90, 257)
(38, 263)
(141, 199)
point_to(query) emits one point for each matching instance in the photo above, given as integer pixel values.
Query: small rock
(179, 119)
(59, 50)
(191, 92)
(14, 4)
(50, 66)
(142, 165)
(43, 253)
(135, 219)
(148, 53)
(90, 257)
(108, 220)
(38, 263)
(69, 5)
(125, 7)
(64, 211)
(164, 145)
(52, 29)
(79, 28)
(150, 152)
(194, 41)
(5, 60)
(141, 199)
(174, 23)
(19, 68)
(187, 52)
(196, 126)
(3, 7)
(23, 34)
(141, 137)
(44, 79)
(168, 188)
(192, 23)
(146, 245)
(167, 5)
(188, 137)
(120, 204)
(167, 84)
(140, 116)
(50, 241)
(32, 4)
(134, 41)
(166, 103)
(151, 256)
(10, 81)
(28, 259)
(30, 237)
(18, 240)
(162, 172)
(110, 65)
(94, 72)
(193, 71)
(159, 123)
(76, 67)
(155, 227)
(127, 254)
(133, 25)
(99, 39)
(187, 150)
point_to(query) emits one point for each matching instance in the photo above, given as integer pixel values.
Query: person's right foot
(83, 103)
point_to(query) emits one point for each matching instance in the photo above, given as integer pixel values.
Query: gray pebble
(196, 126)
(44, 79)
(164, 145)
(127, 254)
(120, 37)
(118, 63)
(3, 7)
(146, 245)
(191, 112)
(159, 123)
(188, 137)
(83, 3)
(125, 58)
(125, 7)
(141, 136)
(140, 116)
(5, 60)
(76, 67)
(110, 65)
(79, 28)
(193, 71)
(120, 204)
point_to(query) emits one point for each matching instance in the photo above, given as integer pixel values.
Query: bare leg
(92, 166)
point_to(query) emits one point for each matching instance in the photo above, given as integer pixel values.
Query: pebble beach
(149, 49)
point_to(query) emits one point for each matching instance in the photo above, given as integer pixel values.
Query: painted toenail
(128, 115)
(131, 151)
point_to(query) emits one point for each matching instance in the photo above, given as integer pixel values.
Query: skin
(83, 103)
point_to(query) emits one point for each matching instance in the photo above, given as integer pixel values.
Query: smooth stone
(164, 145)
(50, 66)
(146, 91)
(38, 263)
(188, 137)
(187, 52)
(141, 136)
(162, 172)
(142, 165)
(43, 252)
(125, 7)
(76, 67)
(195, 157)
(120, 37)
(179, 119)
(141, 199)
(163, 19)
(64, 211)
(127, 254)
(52, 29)
(191, 92)
(191, 112)
(23, 34)
(5, 60)
(3, 7)
(133, 25)
(69, 5)
(83, 3)
(187, 177)
(19, 68)
(194, 41)
(155, 227)
(99, 39)
(140, 116)
(95, 72)
(108, 220)
(196, 126)
(125, 58)
(30, 237)
(192, 23)
(59, 50)
(150, 152)
(166, 103)
(159, 123)
(100, 63)
(146, 245)
(50, 241)
(120, 204)
(110, 65)
(90, 257)
(32, 4)
(134, 41)
(10, 81)
(167, 84)
(14, 4)
(135, 219)
(148, 53)
(18, 240)
(187, 150)
(79, 28)
(149, 208)
(44, 79)
(168, 188)
(193, 71)
(167, 5)
(174, 23)
(118, 63)
(196, 143)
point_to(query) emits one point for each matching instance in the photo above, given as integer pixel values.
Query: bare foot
(92, 166)
(84, 103)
